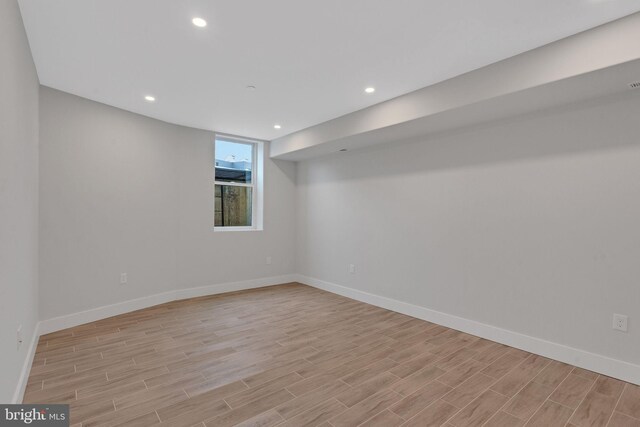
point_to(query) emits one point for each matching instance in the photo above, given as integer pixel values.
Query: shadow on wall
(563, 131)
(287, 168)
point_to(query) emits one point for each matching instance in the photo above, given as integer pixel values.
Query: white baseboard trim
(26, 366)
(99, 313)
(594, 362)
(70, 320)
(233, 286)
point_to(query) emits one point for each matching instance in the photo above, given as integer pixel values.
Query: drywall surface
(596, 49)
(206, 257)
(125, 193)
(529, 224)
(18, 197)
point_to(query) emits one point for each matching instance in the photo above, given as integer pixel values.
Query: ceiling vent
(634, 85)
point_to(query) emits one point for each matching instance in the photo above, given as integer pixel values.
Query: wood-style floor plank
(291, 355)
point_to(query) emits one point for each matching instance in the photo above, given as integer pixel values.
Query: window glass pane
(233, 161)
(232, 206)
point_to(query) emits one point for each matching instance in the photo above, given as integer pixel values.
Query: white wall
(120, 192)
(205, 257)
(18, 196)
(530, 224)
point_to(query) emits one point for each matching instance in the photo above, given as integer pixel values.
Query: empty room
(320, 213)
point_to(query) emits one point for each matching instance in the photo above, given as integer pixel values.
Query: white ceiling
(310, 60)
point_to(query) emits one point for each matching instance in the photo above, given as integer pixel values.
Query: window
(237, 184)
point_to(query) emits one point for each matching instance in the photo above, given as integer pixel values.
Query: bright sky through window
(230, 151)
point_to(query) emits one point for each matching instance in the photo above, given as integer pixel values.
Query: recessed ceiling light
(251, 87)
(343, 149)
(277, 127)
(199, 22)
(370, 90)
(149, 98)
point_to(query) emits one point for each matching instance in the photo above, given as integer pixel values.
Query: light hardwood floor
(292, 355)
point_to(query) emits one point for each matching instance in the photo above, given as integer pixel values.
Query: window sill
(228, 229)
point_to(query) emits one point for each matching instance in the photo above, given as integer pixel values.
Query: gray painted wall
(18, 196)
(530, 224)
(120, 192)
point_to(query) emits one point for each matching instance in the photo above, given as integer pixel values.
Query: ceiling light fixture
(251, 87)
(199, 22)
(150, 98)
(370, 90)
(277, 127)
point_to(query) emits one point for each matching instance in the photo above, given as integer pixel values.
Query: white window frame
(257, 186)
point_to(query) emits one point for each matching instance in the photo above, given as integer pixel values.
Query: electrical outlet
(268, 260)
(19, 336)
(620, 322)
(352, 269)
(123, 278)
